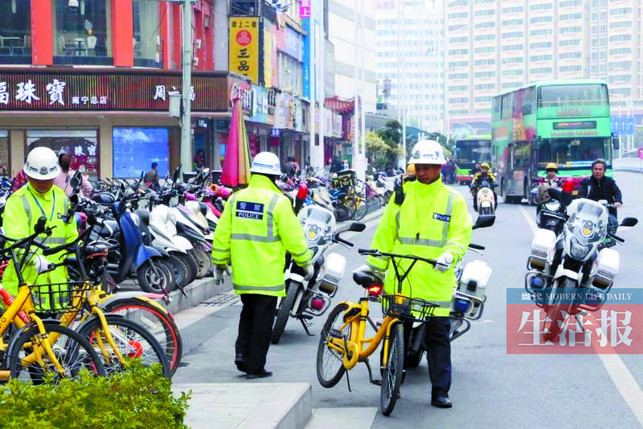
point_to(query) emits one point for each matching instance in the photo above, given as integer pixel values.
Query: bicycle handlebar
(375, 252)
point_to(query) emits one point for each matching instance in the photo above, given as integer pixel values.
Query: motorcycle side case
(472, 287)
(607, 266)
(335, 266)
(544, 241)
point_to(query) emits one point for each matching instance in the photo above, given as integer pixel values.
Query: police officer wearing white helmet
(39, 198)
(432, 222)
(257, 227)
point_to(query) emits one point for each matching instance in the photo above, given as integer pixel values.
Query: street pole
(186, 121)
(321, 44)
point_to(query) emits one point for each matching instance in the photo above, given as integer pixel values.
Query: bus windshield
(570, 151)
(468, 152)
(573, 95)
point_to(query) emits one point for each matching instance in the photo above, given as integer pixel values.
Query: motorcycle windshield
(318, 224)
(587, 220)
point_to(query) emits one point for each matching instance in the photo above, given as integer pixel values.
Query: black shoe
(262, 374)
(441, 402)
(240, 362)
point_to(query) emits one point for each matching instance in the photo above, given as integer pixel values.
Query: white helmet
(266, 163)
(42, 164)
(427, 152)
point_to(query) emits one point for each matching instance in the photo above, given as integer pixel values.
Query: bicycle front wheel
(330, 367)
(159, 323)
(71, 350)
(393, 371)
(132, 340)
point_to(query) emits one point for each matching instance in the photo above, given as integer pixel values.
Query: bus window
(572, 95)
(562, 151)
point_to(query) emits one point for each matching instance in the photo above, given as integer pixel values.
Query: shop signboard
(282, 111)
(242, 90)
(306, 58)
(109, 90)
(244, 47)
(269, 72)
(260, 106)
(293, 44)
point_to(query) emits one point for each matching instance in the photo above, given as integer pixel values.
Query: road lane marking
(621, 377)
(532, 223)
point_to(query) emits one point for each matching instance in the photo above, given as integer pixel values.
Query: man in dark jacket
(600, 187)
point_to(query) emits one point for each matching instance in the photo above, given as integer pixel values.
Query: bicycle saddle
(366, 278)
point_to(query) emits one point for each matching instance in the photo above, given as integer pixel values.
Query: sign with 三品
(101, 90)
(244, 47)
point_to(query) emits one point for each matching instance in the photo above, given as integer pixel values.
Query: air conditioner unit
(197, 43)
(195, 61)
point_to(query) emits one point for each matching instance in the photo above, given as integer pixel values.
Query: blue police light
(461, 305)
(536, 283)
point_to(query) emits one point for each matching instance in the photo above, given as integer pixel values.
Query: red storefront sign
(100, 90)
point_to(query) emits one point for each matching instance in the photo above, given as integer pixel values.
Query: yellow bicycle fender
(386, 341)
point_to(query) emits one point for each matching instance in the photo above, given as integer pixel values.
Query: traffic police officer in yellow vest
(39, 198)
(432, 222)
(256, 229)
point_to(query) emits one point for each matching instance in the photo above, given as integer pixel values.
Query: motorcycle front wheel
(155, 277)
(283, 313)
(559, 309)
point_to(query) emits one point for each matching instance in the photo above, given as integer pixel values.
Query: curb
(197, 292)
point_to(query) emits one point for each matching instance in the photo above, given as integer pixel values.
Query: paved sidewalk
(251, 405)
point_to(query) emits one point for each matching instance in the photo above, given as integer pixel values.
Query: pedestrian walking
(256, 229)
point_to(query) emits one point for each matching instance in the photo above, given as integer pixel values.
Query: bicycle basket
(402, 307)
(56, 298)
(345, 179)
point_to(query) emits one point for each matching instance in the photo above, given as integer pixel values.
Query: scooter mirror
(75, 181)
(629, 221)
(177, 173)
(357, 227)
(484, 221)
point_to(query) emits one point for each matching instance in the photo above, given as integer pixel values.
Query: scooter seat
(366, 279)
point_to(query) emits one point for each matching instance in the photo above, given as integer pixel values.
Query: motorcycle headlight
(552, 205)
(577, 250)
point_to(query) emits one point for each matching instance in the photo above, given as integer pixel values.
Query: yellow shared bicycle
(41, 348)
(343, 341)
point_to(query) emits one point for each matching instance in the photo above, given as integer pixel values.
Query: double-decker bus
(469, 151)
(561, 121)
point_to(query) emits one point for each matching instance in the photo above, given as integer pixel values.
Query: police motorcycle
(468, 299)
(306, 299)
(573, 272)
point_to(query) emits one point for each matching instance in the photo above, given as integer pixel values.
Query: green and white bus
(561, 121)
(470, 150)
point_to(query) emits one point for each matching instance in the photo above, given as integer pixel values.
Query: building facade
(410, 60)
(498, 45)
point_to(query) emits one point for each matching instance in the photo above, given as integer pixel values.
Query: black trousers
(438, 354)
(255, 329)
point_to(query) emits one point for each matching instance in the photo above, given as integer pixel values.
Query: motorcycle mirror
(177, 173)
(75, 181)
(629, 221)
(40, 225)
(356, 227)
(484, 221)
(91, 219)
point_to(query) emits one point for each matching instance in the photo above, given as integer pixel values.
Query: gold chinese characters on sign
(244, 47)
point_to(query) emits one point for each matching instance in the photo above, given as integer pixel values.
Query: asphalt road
(490, 388)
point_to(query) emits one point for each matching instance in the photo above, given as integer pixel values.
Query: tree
(379, 152)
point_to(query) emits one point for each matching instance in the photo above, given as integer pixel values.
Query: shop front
(113, 123)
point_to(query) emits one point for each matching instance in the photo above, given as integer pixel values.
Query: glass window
(81, 144)
(572, 95)
(4, 152)
(561, 151)
(146, 33)
(82, 33)
(136, 148)
(15, 32)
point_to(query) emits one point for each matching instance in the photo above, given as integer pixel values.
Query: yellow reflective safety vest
(432, 220)
(256, 229)
(21, 213)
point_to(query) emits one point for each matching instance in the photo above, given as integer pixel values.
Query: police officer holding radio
(432, 221)
(256, 229)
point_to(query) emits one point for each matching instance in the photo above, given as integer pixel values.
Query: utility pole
(186, 120)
